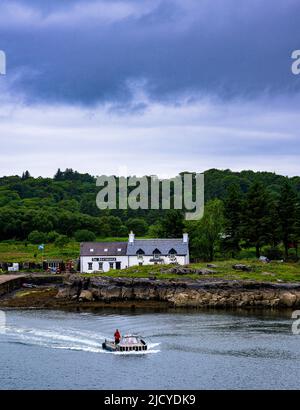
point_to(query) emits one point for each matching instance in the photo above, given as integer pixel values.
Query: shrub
(52, 236)
(137, 225)
(37, 237)
(61, 241)
(84, 235)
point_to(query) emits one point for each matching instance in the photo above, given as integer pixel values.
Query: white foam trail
(71, 340)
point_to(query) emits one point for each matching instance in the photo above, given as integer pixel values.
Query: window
(90, 267)
(111, 265)
(156, 254)
(91, 250)
(119, 249)
(105, 250)
(140, 254)
(100, 265)
(172, 254)
(53, 265)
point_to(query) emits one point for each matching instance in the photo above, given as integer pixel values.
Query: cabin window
(156, 254)
(53, 265)
(140, 254)
(90, 266)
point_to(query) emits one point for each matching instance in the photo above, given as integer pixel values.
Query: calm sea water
(188, 350)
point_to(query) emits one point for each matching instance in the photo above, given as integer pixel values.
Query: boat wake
(65, 339)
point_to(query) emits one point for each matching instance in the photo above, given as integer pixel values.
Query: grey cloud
(219, 48)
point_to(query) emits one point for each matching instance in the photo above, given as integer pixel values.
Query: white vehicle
(128, 343)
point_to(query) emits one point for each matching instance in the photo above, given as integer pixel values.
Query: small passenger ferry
(128, 343)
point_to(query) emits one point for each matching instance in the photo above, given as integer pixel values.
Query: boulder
(288, 299)
(245, 268)
(204, 271)
(126, 293)
(111, 292)
(86, 296)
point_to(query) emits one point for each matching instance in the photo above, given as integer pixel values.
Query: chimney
(131, 238)
(185, 238)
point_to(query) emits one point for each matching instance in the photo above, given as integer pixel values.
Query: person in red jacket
(117, 337)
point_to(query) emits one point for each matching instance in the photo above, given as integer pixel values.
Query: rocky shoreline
(76, 291)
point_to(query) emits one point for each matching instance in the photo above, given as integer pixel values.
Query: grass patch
(261, 272)
(13, 251)
(20, 252)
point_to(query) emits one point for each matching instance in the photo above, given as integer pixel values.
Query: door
(106, 267)
(118, 265)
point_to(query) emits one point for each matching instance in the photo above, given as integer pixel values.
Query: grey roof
(163, 245)
(98, 248)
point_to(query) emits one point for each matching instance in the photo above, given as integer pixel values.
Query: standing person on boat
(117, 336)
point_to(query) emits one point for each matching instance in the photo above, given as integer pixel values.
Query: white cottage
(157, 251)
(103, 256)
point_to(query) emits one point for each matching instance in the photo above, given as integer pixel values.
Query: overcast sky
(149, 86)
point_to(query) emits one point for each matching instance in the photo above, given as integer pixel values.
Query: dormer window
(119, 249)
(172, 252)
(156, 254)
(140, 252)
(105, 250)
(91, 250)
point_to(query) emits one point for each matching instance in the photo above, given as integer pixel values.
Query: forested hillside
(246, 205)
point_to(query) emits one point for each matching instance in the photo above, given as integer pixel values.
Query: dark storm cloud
(102, 51)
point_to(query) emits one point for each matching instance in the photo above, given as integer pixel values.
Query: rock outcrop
(209, 292)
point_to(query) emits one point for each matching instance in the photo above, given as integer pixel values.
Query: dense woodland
(243, 210)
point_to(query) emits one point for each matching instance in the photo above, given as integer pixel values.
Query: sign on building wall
(104, 259)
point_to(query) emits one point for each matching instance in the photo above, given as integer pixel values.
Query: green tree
(37, 237)
(155, 231)
(58, 176)
(172, 224)
(137, 225)
(84, 235)
(52, 236)
(62, 241)
(287, 210)
(297, 226)
(257, 222)
(25, 175)
(233, 206)
(206, 234)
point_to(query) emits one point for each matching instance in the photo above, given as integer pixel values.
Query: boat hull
(136, 347)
